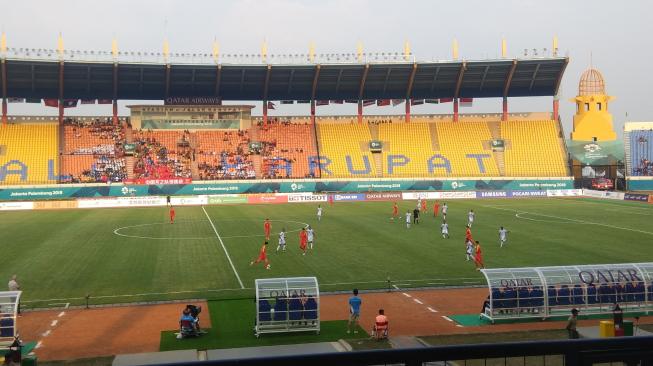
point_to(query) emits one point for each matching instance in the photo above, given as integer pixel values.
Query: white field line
(419, 302)
(431, 309)
(447, 318)
(46, 333)
(234, 289)
(224, 248)
(61, 314)
(38, 345)
(405, 294)
(54, 323)
(573, 220)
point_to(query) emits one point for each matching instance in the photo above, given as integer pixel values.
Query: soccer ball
(267, 267)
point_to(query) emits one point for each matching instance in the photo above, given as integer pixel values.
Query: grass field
(133, 254)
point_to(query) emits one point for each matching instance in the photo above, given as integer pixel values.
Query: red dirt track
(134, 329)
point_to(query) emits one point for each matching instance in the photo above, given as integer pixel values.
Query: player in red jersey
(436, 208)
(468, 235)
(267, 227)
(262, 256)
(330, 200)
(172, 215)
(423, 209)
(395, 211)
(478, 257)
(303, 240)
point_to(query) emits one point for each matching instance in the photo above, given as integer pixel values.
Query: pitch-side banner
(228, 187)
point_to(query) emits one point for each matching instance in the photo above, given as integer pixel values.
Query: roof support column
(459, 83)
(115, 93)
(218, 76)
(504, 115)
(3, 66)
(409, 90)
(556, 108)
(313, 111)
(360, 111)
(61, 92)
(407, 110)
(265, 113)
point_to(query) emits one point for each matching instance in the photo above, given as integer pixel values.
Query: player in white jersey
(282, 240)
(419, 203)
(444, 210)
(470, 249)
(503, 236)
(407, 219)
(319, 212)
(310, 235)
(445, 230)
(470, 217)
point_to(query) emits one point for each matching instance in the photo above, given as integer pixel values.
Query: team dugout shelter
(542, 292)
(9, 301)
(287, 305)
(65, 75)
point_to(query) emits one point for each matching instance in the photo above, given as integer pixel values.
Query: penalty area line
(224, 248)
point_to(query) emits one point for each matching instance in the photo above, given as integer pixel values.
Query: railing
(629, 350)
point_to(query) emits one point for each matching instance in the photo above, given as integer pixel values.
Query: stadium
(345, 238)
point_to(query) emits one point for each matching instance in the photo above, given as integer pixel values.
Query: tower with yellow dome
(592, 121)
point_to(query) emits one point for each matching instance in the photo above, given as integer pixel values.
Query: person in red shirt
(262, 256)
(267, 227)
(436, 208)
(331, 200)
(303, 239)
(172, 215)
(395, 211)
(424, 206)
(468, 235)
(478, 257)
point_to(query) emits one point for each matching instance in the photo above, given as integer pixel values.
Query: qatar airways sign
(193, 101)
(608, 276)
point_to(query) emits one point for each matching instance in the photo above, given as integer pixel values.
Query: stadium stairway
(435, 140)
(563, 145)
(257, 160)
(129, 166)
(628, 155)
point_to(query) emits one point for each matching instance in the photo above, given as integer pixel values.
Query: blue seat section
(295, 308)
(264, 310)
(641, 151)
(281, 309)
(310, 309)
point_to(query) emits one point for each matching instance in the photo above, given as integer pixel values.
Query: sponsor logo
(349, 197)
(529, 193)
(456, 185)
(636, 197)
(609, 276)
(307, 197)
(216, 200)
(592, 148)
(493, 194)
(383, 196)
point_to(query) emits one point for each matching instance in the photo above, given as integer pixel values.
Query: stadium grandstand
(163, 145)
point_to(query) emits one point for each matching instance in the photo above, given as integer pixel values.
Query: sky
(609, 35)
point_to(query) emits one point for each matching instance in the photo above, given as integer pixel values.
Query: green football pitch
(134, 254)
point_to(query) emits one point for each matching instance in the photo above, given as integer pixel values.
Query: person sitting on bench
(187, 325)
(380, 330)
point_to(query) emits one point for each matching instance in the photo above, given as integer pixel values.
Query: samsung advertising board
(349, 197)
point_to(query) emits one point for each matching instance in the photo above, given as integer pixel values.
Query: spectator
(354, 312)
(571, 325)
(380, 330)
(14, 286)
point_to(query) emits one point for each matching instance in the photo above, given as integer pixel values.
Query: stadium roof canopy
(342, 81)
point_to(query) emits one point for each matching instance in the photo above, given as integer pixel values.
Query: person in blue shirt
(354, 312)
(186, 316)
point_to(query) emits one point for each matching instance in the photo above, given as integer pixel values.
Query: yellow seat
(29, 149)
(534, 149)
(341, 140)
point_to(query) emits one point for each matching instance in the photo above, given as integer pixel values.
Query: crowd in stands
(156, 160)
(644, 168)
(224, 155)
(285, 149)
(226, 166)
(100, 139)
